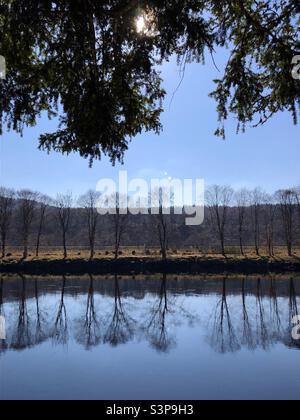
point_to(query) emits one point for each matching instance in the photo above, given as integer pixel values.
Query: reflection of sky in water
(127, 340)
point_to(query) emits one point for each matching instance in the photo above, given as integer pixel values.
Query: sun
(140, 24)
(145, 24)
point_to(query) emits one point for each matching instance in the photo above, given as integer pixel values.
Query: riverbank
(145, 265)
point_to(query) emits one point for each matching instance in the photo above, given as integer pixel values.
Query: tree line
(240, 219)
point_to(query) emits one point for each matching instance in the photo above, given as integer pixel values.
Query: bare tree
(6, 208)
(287, 202)
(270, 214)
(120, 223)
(219, 199)
(297, 198)
(44, 202)
(242, 199)
(64, 211)
(27, 201)
(161, 217)
(89, 203)
(257, 199)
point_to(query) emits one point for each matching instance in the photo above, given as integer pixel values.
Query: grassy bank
(78, 265)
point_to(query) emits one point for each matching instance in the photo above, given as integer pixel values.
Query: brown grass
(51, 254)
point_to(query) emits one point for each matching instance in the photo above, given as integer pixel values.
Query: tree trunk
(38, 244)
(241, 244)
(65, 246)
(3, 240)
(92, 249)
(116, 253)
(92, 246)
(290, 249)
(117, 248)
(256, 243)
(257, 247)
(223, 245)
(25, 252)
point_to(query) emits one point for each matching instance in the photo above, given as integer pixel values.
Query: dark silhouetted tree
(103, 67)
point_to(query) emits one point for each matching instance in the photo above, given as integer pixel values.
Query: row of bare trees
(29, 206)
(256, 208)
(32, 206)
(261, 209)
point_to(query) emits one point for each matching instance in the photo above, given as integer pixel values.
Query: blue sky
(187, 148)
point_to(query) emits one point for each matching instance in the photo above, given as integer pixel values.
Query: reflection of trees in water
(60, 332)
(223, 337)
(28, 331)
(275, 316)
(156, 328)
(261, 327)
(247, 339)
(41, 325)
(166, 312)
(3, 343)
(293, 312)
(1, 297)
(268, 324)
(22, 336)
(253, 320)
(262, 332)
(89, 327)
(121, 327)
(293, 307)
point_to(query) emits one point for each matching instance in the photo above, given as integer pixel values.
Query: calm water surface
(149, 338)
